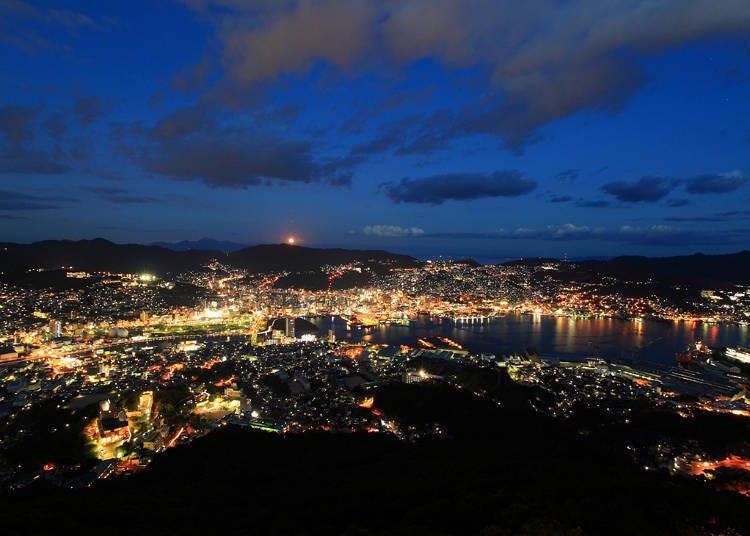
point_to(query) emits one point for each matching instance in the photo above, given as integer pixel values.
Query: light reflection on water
(610, 338)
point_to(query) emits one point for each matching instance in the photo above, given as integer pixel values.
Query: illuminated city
(316, 267)
(126, 366)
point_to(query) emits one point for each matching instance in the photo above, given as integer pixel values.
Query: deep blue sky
(490, 128)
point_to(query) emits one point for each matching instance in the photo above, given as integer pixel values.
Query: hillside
(734, 267)
(103, 255)
(203, 243)
(299, 258)
(100, 255)
(503, 472)
(698, 269)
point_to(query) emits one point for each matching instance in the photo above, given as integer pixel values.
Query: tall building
(289, 327)
(55, 327)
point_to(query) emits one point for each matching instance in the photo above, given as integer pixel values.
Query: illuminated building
(413, 376)
(146, 402)
(56, 328)
(289, 327)
(154, 442)
(112, 425)
(416, 376)
(8, 354)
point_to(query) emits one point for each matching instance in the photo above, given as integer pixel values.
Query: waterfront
(610, 338)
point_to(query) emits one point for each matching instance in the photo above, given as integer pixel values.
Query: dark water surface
(609, 338)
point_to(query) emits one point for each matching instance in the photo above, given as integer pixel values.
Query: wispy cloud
(391, 231)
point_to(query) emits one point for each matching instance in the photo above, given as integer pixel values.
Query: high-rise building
(55, 327)
(289, 327)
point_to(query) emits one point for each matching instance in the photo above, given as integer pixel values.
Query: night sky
(484, 128)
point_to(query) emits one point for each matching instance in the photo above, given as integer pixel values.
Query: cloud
(652, 189)
(734, 213)
(561, 199)
(12, 201)
(655, 235)
(193, 77)
(293, 39)
(89, 109)
(410, 135)
(183, 122)
(72, 19)
(357, 122)
(526, 105)
(19, 153)
(19, 25)
(118, 195)
(716, 183)
(391, 231)
(645, 189)
(541, 60)
(694, 218)
(20, 160)
(569, 175)
(388, 138)
(717, 217)
(458, 187)
(599, 203)
(206, 144)
(231, 161)
(340, 180)
(15, 123)
(56, 126)
(567, 231)
(431, 135)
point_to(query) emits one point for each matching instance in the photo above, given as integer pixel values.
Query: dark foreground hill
(502, 472)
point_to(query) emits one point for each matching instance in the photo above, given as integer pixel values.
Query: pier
(475, 319)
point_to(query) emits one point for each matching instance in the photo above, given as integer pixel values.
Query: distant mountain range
(203, 243)
(300, 258)
(698, 269)
(100, 255)
(729, 267)
(103, 255)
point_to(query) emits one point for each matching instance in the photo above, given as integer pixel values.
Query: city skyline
(485, 129)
